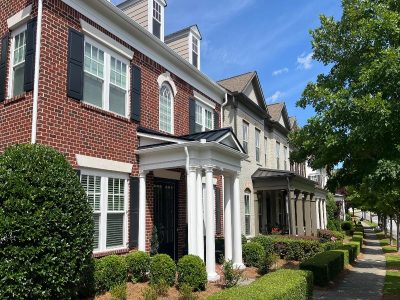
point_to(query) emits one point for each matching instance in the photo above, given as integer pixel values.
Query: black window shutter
(75, 64)
(136, 93)
(134, 212)
(218, 217)
(192, 115)
(216, 120)
(3, 66)
(29, 72)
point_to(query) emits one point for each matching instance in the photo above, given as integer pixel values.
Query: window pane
(116, 194)
(18, 87)
(208, 120)
(199, 114)
(247, 224)
(96, 234)
(166, 109)
(93, 90)
(115, 230)
(117, 100)
(94, 61)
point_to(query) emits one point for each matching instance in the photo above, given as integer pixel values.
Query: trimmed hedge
(282, 285)
(325, 266)
(356, 248)
(346, 256)
(138, 265)
(46, 226)
(352, 252)
(109, 271)
(192, 272)
(357, 238)
(162, 268)
(253, 254)
(347, 225)
(266, 241)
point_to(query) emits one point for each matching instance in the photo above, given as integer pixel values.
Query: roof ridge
(236, 76)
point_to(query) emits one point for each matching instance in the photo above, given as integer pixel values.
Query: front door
(165, 206)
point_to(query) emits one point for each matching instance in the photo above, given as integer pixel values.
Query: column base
(239, 266)
(213, 277)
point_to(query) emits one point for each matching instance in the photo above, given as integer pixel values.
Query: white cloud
(280, 72)
(275, 97)
(304, 61)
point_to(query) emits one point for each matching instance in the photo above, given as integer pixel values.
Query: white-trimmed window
(278, 154)
(17, 65)
(285, 154)
(247, 223)
(166, 109)
(106, 79)
(258, 147)
(204, 117)
(195, 51)
(107, 195)
(245, 128)
(157, 19)
(265, 151)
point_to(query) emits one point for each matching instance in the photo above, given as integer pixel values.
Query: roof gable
(279, 114)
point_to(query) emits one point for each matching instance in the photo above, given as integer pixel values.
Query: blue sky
(269, 36)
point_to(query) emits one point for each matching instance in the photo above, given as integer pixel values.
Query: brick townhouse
(132, 112)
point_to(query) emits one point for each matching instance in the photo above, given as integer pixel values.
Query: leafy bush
(138, 264)
(325, 266)
(149, 293)
(334, 225)
(192, 271)
(325, 235)
(187, 292)
(232, 276)
(269, 261)
(46, 226)
(331, 245)
(162, 267)
(352, 252)
(296, 248)
(357, 238)
(282, 285)
(109, 272)
(244, 239)
(266, 241)
(346, 256)
(118, 292)
(347, 225)
(356, 248)
(253, 254)
(161, 288)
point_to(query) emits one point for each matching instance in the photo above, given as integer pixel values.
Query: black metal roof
(262, 173)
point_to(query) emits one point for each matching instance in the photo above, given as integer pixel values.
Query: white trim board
(103, 164)
(19, 18)
(203, 99)
(167, 174)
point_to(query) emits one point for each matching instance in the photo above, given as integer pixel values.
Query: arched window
(166, 109)
(247, 223)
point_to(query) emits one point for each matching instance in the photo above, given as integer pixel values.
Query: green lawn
(370, 224)
(384, 241)
(392, 262)
(392, 283)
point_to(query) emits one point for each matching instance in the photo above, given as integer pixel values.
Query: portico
(207, 158)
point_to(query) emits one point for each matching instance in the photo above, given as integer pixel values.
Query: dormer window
(195, 52)
(157, 19)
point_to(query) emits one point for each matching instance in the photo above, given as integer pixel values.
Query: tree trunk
(370, 217)
(353, 211)
(391, 231)
(397, 234)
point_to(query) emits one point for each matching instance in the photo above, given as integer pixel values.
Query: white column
(300, 220)
(142, 212)
(228, 217)
(200, 214)
(317, 210)
(210, 226)
(191, 210)
(293, 221)
(314, 221)
(237, 228)
(307, 214)
(325, 216)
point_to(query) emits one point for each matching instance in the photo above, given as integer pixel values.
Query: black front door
(165, 205)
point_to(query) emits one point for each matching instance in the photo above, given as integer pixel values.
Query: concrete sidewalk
(365, 280)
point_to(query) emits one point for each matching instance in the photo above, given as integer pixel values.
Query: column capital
(143, 173)
(193, 168)
(209, 168)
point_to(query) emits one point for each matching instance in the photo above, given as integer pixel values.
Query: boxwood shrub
(138, 264)
(356, 247)
(347, 225)
(162, 269)
(192, 272)
(46, 226)
(357, 238)
(325, 266)
(109, 272)
(282, 285)
(266, 241)
(253, 254)
(352, 252)
(296, 248)
(346, 256)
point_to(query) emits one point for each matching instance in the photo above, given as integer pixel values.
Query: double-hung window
(247, 212)
(106, 79)
(204, 117)
(166, 109)
(258, 150)
(107, 196)
(195, 51)
(278, 154)
(157, 19)
(245, 127)
(18, 50)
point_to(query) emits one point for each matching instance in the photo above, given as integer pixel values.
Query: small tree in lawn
(46, 226)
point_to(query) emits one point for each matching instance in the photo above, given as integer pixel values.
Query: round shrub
(192, 271)
(347, 225)
(46, 226)
(109, 272)
(138, 264)
(266, 242)
(253, 254)
(162, 268)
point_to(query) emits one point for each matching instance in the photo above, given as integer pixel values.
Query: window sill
(104, 112)
(110, 252)
(15, 98)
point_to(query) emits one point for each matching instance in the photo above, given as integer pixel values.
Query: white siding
(180, 46)
(139, 13)
(249, 92)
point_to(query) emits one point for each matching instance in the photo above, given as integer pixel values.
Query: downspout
(36, 75)
(222, 109)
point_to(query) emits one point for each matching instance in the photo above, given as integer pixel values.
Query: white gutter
(222, 109)
(36, 75)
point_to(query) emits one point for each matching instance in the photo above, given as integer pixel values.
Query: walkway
(365, 280)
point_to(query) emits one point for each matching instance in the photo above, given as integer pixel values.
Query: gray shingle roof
(237, 83)
(275, 111)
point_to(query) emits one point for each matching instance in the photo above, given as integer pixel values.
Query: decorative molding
(166, 77)
(167, 174)
(19, 18)
(106, 40)
(203, 99)
(103, 164)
